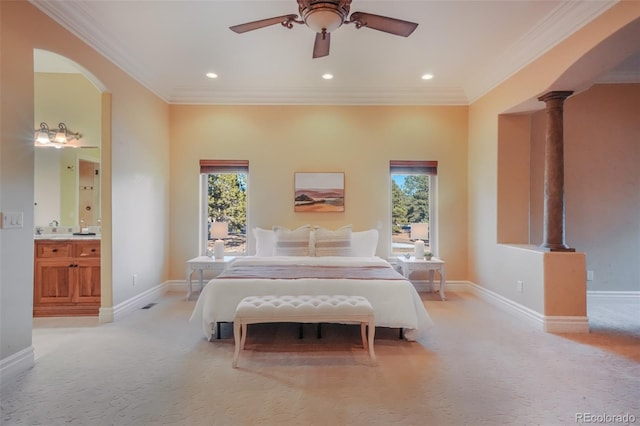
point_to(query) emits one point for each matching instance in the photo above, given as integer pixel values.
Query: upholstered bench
(304, 309)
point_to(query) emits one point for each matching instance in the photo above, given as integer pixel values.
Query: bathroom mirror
(67, 187)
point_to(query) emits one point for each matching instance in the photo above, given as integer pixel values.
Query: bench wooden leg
(243, 331)
(238, 336)
(372, 332)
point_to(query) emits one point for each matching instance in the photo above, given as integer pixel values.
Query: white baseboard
(519, 310)
(549, 324)
(138, 301)
(423, 286)
(624, 297)
(563, 324)
(17, 363)
(177, 286)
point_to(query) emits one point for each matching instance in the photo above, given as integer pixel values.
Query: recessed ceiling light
(327, 76)
(427, 76)
(212, 75)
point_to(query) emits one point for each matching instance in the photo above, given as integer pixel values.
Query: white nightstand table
(407, 266)
(205, 263)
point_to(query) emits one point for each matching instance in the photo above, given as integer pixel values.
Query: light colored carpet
(478, 366)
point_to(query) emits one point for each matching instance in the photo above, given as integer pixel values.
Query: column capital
(556, 94)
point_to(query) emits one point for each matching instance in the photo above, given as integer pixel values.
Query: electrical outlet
(589, 275)
(520, 286)
(135, 279)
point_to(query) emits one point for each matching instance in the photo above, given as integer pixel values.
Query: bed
(395, 300)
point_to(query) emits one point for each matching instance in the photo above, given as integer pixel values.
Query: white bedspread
(396, 302)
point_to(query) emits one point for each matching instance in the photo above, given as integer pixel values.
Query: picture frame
(319, 192)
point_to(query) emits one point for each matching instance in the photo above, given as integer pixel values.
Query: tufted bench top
(304, 308)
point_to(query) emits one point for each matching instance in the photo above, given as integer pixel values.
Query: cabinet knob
(54, 250)
(93, 250)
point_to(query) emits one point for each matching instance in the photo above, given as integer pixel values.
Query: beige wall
(359, 141)
(499, 267)
(513, 178)
(602, 153)
(601, 134)
(135, 137)
(71, 99)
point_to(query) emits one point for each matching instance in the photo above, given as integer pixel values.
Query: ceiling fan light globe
(323, 19)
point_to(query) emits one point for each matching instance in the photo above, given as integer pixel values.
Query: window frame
(414, 167)
(208, 167)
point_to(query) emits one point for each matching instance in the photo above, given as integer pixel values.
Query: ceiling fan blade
(255, 25)
(383, 23)
(321, 46)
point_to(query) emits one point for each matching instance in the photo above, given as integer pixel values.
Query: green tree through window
(227, 193)
(410, 202)
(227, 202)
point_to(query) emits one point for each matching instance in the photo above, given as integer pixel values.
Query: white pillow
(333, 243)
(292, 243)
(265, 241)
(312, 242)
(364, 243)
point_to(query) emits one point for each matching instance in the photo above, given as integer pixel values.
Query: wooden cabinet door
(67, 278)
(87, 274)
(53, 282)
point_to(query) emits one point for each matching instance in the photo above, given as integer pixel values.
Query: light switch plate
(12, 220)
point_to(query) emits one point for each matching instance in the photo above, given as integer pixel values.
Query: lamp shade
(419, 231)
(43, 137)
(219, 229)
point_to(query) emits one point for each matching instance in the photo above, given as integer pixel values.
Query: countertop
(66, 237)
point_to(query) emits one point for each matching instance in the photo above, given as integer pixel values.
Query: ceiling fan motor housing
(324, 16)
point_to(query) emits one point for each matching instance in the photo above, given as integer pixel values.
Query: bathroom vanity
(66, 276)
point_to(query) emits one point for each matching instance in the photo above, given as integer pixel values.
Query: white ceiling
(469, 45)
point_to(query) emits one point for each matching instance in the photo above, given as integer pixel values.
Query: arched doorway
(66, 92)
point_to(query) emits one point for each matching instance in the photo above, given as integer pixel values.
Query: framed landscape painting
(319, 192)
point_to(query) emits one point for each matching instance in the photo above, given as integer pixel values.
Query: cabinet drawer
(53, 249)
(87, 249)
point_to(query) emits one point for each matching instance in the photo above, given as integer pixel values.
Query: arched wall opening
(600, 157)
(65, 91)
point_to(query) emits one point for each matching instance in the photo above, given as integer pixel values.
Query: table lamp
(419, 232)
(219, 230)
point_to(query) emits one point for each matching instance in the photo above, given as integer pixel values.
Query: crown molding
(312, 96)
(566, 19)
(76, 18)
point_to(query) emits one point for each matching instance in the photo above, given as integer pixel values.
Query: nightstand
(407, 266)
(205, 263)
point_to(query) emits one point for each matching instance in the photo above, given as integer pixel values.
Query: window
(413, 198)
(224, 199)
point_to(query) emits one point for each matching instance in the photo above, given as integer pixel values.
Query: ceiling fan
(325, 16)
